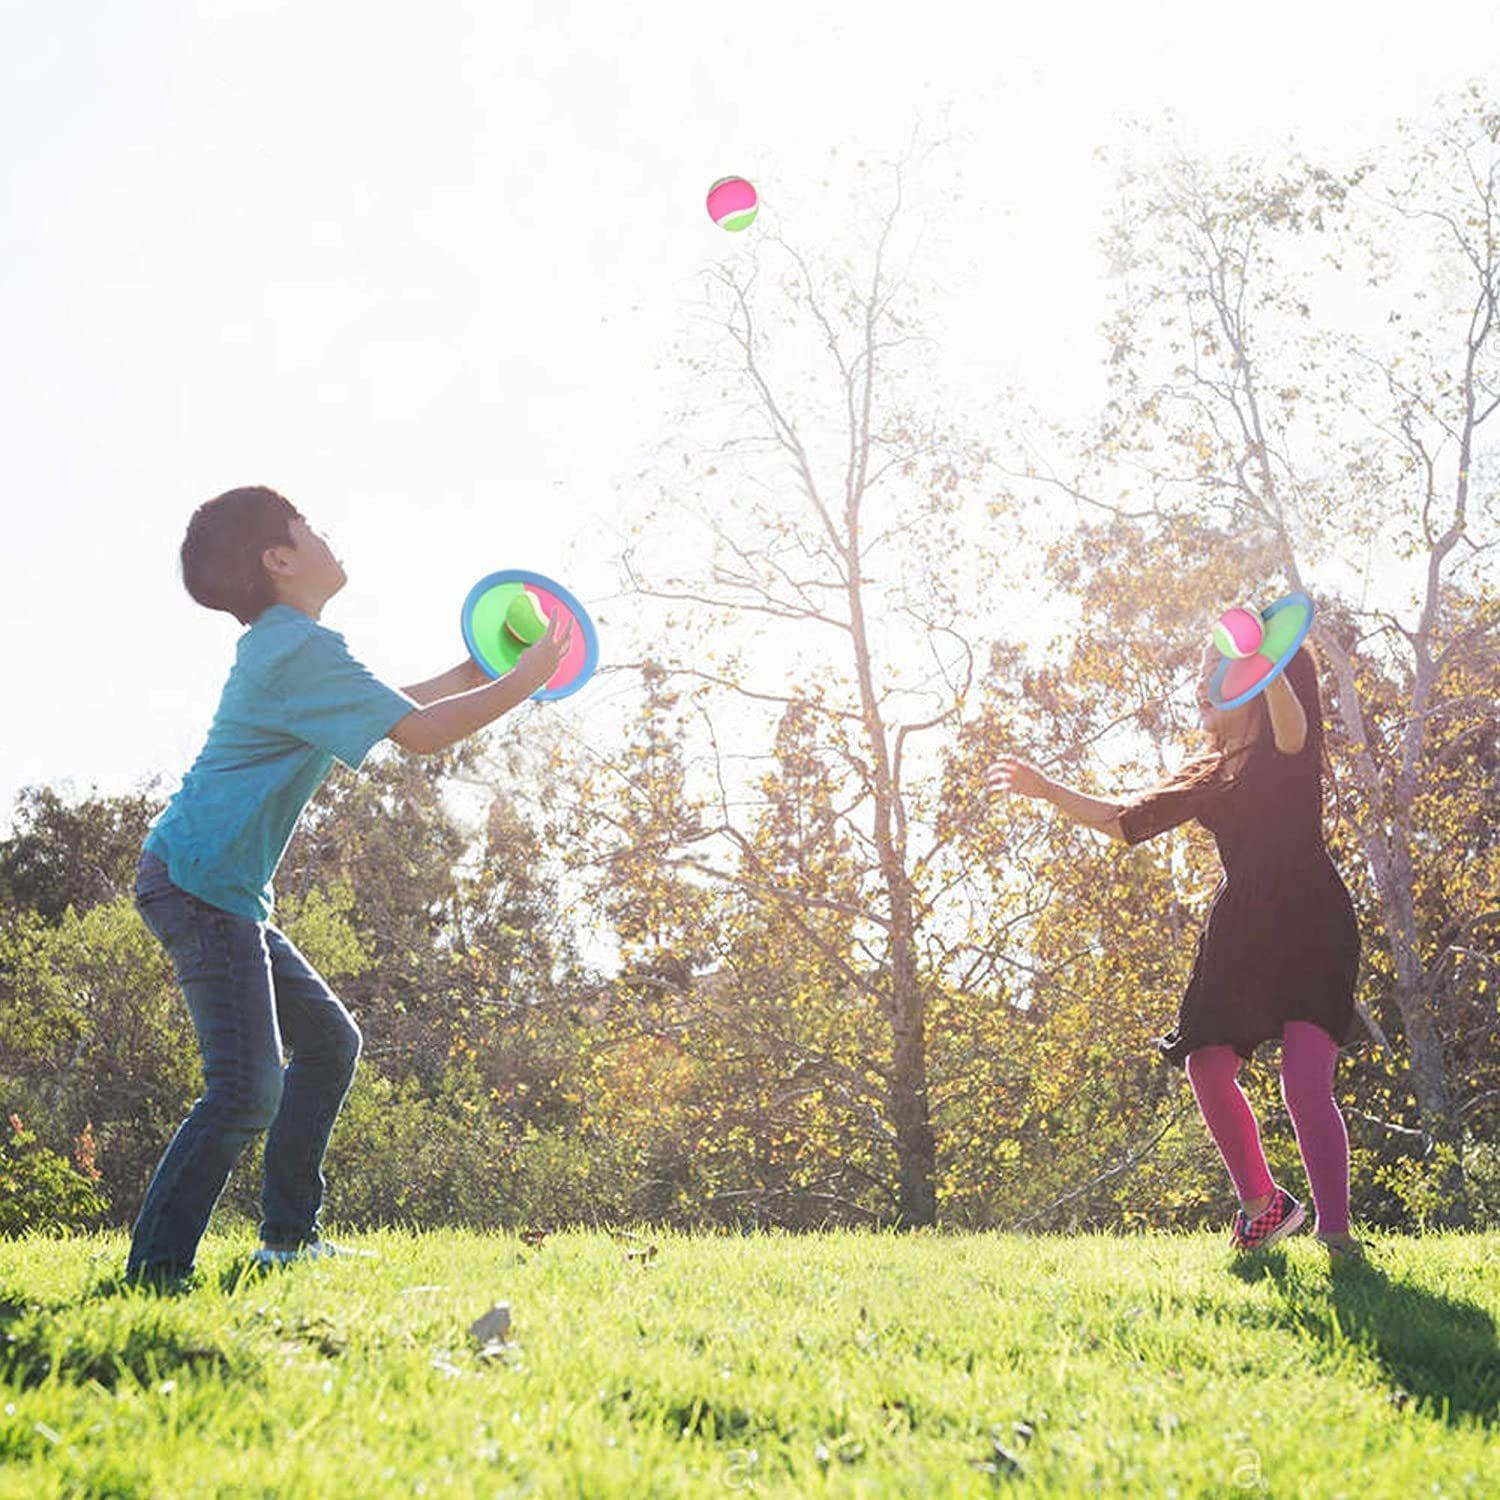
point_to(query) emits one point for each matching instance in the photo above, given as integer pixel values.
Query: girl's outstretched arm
(1023, 779)
(1288, 719)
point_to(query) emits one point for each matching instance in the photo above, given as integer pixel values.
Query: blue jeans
(249, 992)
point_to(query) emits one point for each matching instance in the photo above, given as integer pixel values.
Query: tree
(857, 557)
(78, 853)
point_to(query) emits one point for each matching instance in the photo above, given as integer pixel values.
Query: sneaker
(1342, 1247)
(314, 1250)
(1283, 1216)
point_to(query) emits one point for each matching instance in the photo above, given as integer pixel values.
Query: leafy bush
(563, 1177)
(398, 1156)
(40, 1190)
(1417, 1183)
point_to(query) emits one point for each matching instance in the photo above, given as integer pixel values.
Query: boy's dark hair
(221, 553)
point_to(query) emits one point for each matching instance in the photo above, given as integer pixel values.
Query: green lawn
(858, 1364)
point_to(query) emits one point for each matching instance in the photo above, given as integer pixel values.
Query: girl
(1279, 951)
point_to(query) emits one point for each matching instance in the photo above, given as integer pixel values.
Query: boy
(294, 700)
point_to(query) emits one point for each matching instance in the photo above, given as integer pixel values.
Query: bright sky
(424, 268)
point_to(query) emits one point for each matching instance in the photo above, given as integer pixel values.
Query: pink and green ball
(1238, 632)
(732, 203)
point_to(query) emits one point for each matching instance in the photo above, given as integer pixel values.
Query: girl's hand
(1016, 776)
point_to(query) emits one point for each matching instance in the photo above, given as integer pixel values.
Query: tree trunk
(915, 1150)
(916, 1153)
(1389, 855)
(1435, 1107)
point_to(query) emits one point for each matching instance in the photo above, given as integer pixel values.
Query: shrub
(42, 1191)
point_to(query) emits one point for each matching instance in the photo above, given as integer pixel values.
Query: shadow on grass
(37, 1346)
(237, 1274)
(117, 1284)
(243, 1273)
(1435, 1350)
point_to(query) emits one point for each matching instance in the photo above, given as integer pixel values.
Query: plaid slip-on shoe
(1283, 1216)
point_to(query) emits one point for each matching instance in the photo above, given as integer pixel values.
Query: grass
(845, 1364)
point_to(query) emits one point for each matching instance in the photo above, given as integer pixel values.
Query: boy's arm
(463, 678)
(434, 727)
(445, 722)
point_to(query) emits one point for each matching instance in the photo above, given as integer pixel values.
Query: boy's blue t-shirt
(295, 698)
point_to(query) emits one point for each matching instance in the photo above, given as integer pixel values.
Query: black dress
(1280, 942)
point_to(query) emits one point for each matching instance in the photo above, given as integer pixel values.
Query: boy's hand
(539, 661)
(1018, 776)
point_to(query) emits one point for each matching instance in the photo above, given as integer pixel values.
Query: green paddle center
(1281, 631)
(505, 621)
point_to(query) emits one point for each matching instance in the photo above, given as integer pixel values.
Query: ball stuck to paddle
(524, 619)
(509, 611)
(1255, 646)
(1238, 632)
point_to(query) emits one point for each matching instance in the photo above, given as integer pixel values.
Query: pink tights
(1308, 1054)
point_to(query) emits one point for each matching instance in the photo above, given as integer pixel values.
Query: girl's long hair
(1213, 763)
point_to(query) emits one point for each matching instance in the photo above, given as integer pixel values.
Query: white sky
(423, 268)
